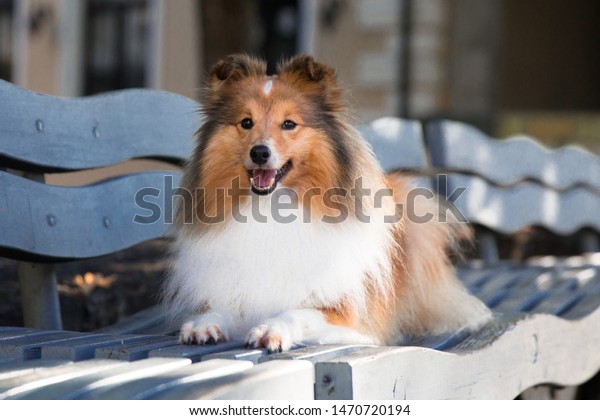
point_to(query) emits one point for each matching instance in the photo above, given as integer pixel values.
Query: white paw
(202, 330)
(275, 338)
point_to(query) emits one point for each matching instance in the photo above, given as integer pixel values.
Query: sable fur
(281, 284)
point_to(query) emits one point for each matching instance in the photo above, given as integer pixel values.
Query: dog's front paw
(273, 338)
(199, 332)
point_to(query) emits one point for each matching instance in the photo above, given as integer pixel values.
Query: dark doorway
(550, 55)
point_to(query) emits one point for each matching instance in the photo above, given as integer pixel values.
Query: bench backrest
(515, 183)
(41, 224)
(42, 134)
(399, 145)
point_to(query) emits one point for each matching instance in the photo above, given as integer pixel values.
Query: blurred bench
(546, 331)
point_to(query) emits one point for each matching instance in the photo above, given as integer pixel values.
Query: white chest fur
(257, 269)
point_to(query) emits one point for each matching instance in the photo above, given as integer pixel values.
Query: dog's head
(268, 131)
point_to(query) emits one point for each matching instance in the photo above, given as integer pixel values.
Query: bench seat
(544, 331)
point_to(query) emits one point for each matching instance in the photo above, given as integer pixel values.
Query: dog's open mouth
(264, 181)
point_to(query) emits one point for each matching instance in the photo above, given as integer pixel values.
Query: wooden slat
(28, 347)
(501, 362)
(153, 320)
(82, 386)
(313, 354)
(6, 333)
(397, 143)
(55, 223)
(43, 133)
(275, 380)
(147, 388)
(193, 352)
(15, 368)
(82, 348)
(459, 147)
(250, 355)
(136, 350)
(22, 385)
(508, 210)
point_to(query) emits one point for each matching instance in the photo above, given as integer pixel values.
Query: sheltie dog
(292, 234)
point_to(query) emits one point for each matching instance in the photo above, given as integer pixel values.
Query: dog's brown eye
(288, 125)
(247, 124)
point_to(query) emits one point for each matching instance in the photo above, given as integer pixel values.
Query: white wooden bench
(546, 332)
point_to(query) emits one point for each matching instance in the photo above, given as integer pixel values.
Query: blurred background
(507, 66)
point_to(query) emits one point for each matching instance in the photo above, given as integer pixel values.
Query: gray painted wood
(55, 134)
(500, 363)
(194, 352)
(275, 380)
(78, 348)
(39, 293)
(148, 388)
(508, 210)
(20, 386)
(55, 223)
(84, 347)
(121, 372)
(29, 346)
(19, 368)
(7, 333)
(458, 147)
(148, 321)
(136, 350)
(251, 355)
(398, 144)
(314, 354)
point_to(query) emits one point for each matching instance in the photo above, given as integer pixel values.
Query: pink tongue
(262, 177)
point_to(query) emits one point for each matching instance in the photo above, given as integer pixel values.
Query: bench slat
(275, 380)
(44, 134)
(44, 222)
(510, 209)
(147, 388)
(17, 387)
(459, 147)
(397, 143)
(118, 373)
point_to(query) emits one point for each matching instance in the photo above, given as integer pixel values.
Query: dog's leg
(303, 326)
(207, 328)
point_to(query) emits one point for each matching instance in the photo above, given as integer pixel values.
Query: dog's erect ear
(236, 67)
(305, 66)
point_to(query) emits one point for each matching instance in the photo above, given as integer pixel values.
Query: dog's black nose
(260, 154)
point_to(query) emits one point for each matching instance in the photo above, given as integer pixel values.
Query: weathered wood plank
(397, 143)
(510, 209)
(314, 354)
(18, 368)
(502, 362)
(56, 223)
(136, 350)
(193, 352)
(119, 373)
(29, 347)
(79, 348)
(458, 147)
(24, 384)
(275, 380)
(46, 134)
(251, 355)
(147, 388)
(148, 321)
